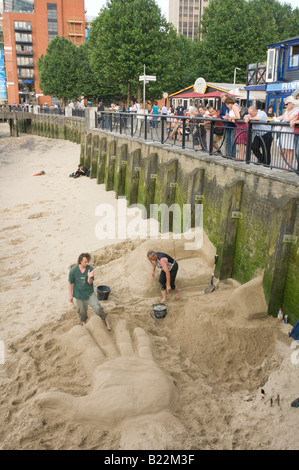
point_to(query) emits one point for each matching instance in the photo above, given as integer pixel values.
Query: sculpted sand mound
(190, 381)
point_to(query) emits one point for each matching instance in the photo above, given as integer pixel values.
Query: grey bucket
(160, 310)
(103, 292)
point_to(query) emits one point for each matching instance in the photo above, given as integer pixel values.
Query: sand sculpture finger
(143, 344)
(101, 337)
(123, 339)
(81, 342)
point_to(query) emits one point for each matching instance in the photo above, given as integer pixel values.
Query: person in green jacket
(81, 288)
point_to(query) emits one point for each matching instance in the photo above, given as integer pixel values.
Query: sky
(93, 6)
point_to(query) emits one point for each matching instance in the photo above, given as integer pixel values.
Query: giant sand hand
(129, 390)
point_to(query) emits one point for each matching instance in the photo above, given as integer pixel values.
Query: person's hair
(83, 255)
(150, 253)
(243, 112)
(229, 100)
(252, 108)
(223, 94)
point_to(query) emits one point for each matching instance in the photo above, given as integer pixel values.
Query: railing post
(184, 134)
(211, 138)
(120, 123)
(132, 124)
(162, 129)
(248, 143)
(145, 127)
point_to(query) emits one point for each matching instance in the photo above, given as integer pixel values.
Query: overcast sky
(93, 6)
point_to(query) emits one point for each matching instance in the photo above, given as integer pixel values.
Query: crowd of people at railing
(230, 128)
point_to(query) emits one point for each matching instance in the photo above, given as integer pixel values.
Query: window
(271, 65)
(293, 57)
(23, 37)
(23, 25)
(22, 49)
(52, 21)
(25, 61)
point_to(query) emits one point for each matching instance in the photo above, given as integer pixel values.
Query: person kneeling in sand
(80, 284)
(82, 171)
(169, 268)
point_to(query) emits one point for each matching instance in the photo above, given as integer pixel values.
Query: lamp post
(235, 71)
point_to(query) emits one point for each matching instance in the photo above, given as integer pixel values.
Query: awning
(193, 94)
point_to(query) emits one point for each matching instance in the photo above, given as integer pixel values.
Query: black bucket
(103, 292)
(160, 310)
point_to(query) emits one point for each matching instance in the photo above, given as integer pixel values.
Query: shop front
(278, 92)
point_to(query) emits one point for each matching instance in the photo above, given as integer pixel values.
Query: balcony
(256, 74)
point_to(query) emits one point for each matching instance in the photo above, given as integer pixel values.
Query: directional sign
(148, 78)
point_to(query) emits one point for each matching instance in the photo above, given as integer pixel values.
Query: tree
(127, 35)
(236, 33)
(58, 70)
(87, 81)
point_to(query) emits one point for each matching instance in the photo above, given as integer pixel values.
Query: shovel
(211, 287)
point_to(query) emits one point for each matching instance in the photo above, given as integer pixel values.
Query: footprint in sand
(38, 215)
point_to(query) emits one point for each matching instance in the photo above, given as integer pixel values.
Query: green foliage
(236, 33)
(127, 35)
(58, 70)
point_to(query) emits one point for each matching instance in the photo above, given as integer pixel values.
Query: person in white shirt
(262, 135)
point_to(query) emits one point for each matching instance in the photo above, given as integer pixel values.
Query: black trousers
(261, 147)
(173, 273)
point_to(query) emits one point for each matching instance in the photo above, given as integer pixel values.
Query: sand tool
(211, 287)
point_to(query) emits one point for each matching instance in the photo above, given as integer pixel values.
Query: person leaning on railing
(294, 123)
(262, 140)
(286, 139)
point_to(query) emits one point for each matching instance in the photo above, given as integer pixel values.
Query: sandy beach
(191, 381)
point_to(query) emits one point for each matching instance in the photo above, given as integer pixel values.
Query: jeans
(93, 302)
(230, 133)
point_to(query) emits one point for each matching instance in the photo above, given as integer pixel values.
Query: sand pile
(192, 380)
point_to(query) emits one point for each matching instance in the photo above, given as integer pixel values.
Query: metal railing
(252, 143)
(43, 110)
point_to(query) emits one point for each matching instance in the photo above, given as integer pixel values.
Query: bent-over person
(169, 268)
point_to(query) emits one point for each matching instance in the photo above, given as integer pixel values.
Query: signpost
(145, 79)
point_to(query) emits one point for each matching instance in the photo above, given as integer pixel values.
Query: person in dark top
(169, 268)
(82, 171)
(80, 286)
(180, 110)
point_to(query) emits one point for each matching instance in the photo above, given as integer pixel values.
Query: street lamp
(235, 71)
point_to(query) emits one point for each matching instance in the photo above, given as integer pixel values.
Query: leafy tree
(127, 35)
(87, 82)
(235, 33)
(58, 70)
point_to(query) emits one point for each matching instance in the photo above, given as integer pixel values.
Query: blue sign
(87, 34)
(3, 95)
(283, 87)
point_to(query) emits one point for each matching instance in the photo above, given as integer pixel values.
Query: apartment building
(186, 15)
(28, 27)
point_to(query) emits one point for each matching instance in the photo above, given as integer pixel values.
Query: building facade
(28, 28)
(282, 74)
(186, 15)
(279, 76)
